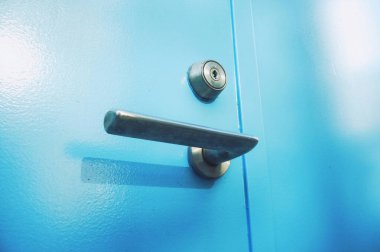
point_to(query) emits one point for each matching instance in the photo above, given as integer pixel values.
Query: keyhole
(214, 74)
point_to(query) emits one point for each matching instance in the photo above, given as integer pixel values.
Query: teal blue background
(302, 76)
(316, 76)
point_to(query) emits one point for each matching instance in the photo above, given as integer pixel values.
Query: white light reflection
(352, 42)
(21, 59)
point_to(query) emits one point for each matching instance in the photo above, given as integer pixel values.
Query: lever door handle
(209, 153)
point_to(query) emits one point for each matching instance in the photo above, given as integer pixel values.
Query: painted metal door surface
(68, 186)
(316, 66)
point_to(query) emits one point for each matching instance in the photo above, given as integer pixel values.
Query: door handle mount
(209, 153)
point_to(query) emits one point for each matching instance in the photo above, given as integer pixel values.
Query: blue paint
(66, 184)
(305, 81)
(241, 125)
(106, 171)
(318, 73)
(259, 194)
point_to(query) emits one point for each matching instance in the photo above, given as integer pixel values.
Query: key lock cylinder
(207, 79)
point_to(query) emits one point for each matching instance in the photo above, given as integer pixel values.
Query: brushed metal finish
(203, 168)
(217, 146)
(207, 79)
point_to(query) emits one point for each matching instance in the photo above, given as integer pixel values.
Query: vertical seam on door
(241, 128)
(263, 129)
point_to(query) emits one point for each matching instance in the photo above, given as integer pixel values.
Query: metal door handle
(210, 151)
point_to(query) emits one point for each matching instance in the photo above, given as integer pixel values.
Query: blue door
(316, 66)
(302, 76)
(66, 185)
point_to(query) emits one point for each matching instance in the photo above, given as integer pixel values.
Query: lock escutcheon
(207, 79)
